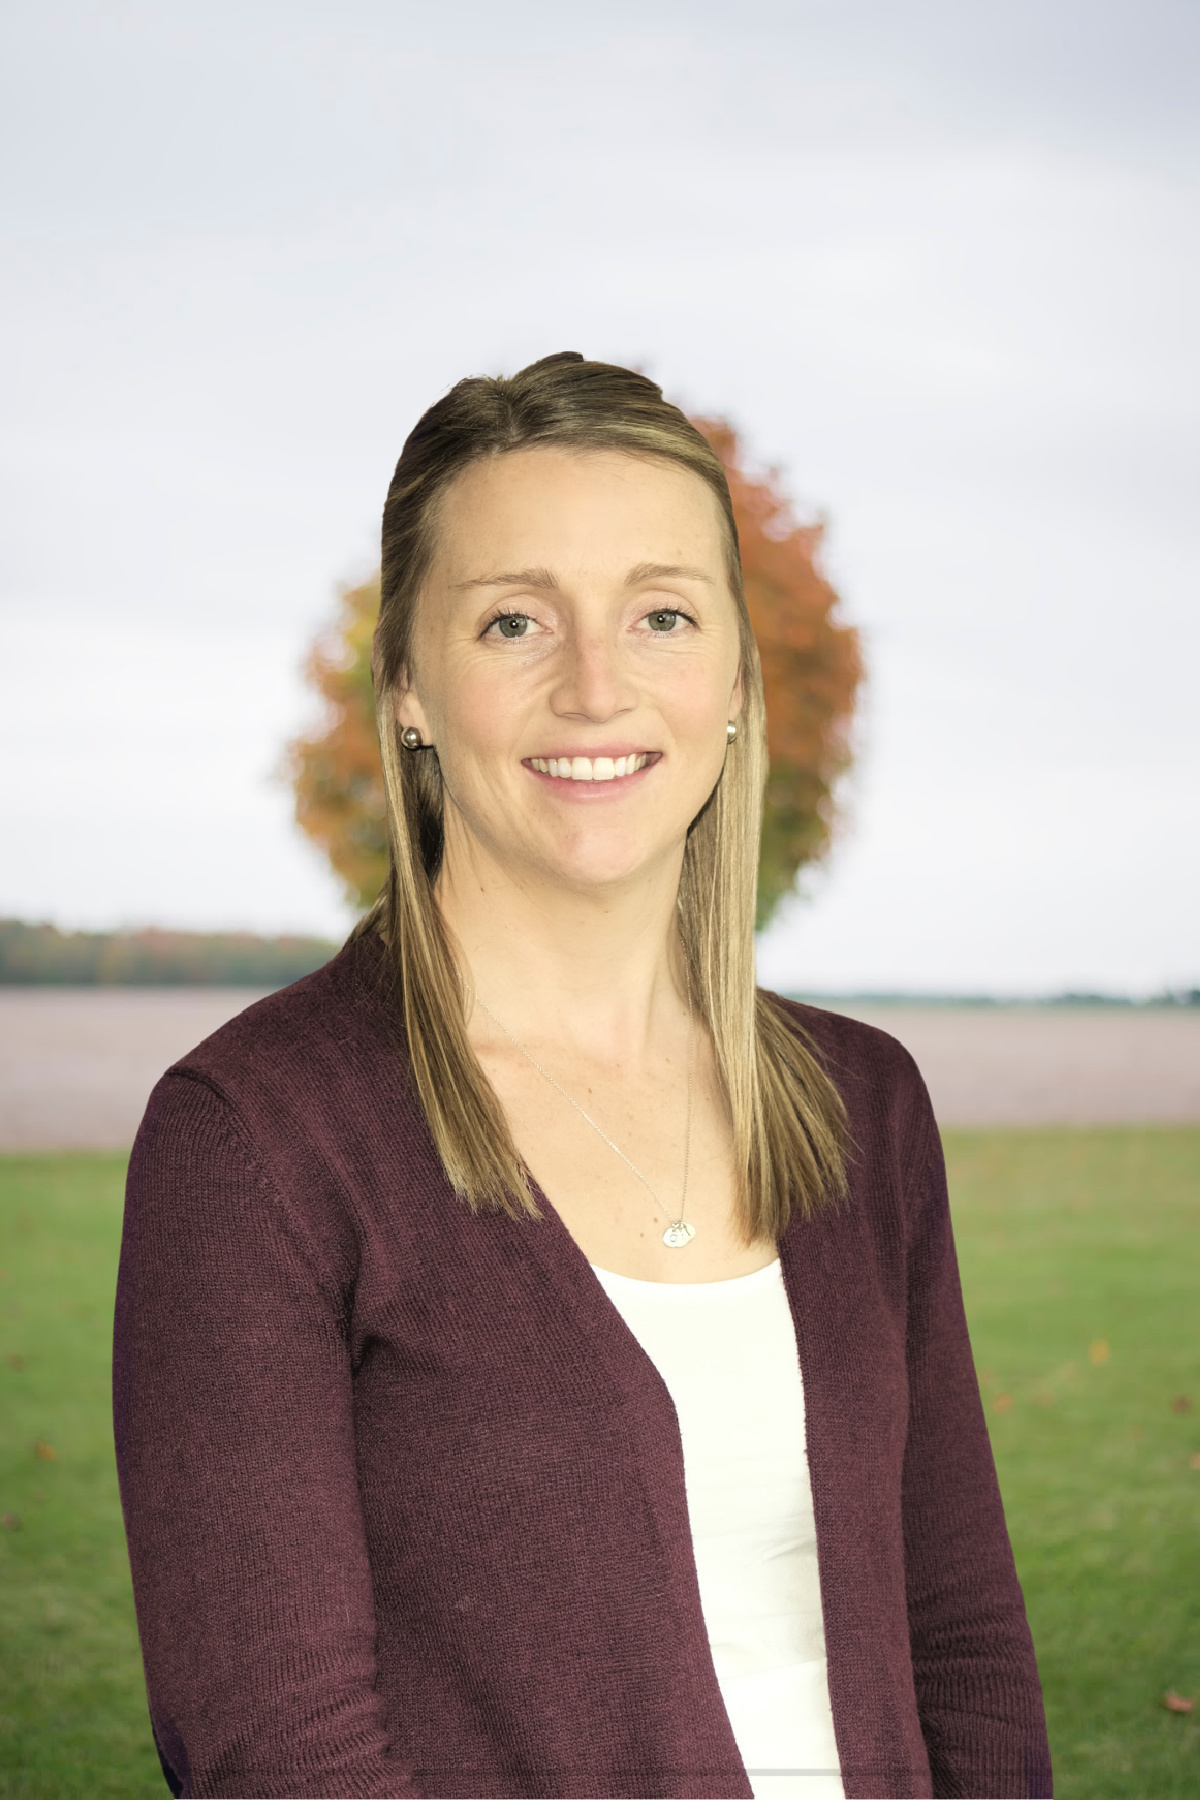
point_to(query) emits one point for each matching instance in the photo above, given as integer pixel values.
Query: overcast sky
(939, 262)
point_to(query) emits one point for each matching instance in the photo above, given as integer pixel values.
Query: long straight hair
(788, 1121)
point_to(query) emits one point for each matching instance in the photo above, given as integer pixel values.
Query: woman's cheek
(696, 706)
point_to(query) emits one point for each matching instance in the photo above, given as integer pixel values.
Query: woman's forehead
(597, 506)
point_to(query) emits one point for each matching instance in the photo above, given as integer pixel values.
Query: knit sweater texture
(405, 1498)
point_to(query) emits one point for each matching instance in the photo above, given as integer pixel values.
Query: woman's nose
(594, 683)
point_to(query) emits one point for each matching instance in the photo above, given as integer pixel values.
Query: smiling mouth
(592, 768)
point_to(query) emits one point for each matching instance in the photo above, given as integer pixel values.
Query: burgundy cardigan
(405, 1498)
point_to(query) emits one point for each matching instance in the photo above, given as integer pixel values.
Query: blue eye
(662, 621)
(513, 625)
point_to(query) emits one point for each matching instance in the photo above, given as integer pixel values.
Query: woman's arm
(235, 1449)
(977, 1685)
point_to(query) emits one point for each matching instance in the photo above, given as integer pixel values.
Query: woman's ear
(737, 698)
(409, 711)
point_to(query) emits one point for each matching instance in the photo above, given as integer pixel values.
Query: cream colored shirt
(726, 1351)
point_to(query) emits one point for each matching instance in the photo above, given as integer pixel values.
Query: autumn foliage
(811, 672)
(811, 664)
(335, 772)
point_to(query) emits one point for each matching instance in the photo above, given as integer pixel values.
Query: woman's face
(575, 662)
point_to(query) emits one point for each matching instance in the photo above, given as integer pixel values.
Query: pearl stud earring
(410, 737)
(730, 731)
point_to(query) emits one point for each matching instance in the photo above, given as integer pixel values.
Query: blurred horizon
(940, 267)
(36, 954)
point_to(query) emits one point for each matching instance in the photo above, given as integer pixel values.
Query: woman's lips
(591, 768)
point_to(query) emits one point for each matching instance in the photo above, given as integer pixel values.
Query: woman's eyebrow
(534, 578)
(548, 583)
(665, 572)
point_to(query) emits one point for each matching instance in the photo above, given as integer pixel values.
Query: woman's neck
(600, 972)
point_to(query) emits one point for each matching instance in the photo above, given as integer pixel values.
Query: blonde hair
(788, 1121)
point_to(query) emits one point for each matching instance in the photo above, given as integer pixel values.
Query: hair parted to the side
(789, 1124)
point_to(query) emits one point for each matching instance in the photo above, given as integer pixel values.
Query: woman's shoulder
(325, 1048)
(301, 1109)
(852, 1042)
(305, 1099)
(876, 1076)
(340, 1002)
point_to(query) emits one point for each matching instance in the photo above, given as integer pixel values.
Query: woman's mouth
(592, 768)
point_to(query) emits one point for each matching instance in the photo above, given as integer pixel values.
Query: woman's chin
(597, 850)
(603, 868)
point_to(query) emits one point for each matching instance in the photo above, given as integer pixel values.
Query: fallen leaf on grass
(47, 1452)
(9, 1522)
(1003, 1402)
(15, 1361)
(1098, 1351)
(1183, 1403)
(1177, 1703)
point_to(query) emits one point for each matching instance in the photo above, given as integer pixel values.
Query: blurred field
(1081, 1263)
(76, 1064)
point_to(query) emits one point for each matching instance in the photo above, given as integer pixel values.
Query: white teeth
(588, 768)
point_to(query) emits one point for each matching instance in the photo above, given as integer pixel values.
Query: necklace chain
(677, 1234)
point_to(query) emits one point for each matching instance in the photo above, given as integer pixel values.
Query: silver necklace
(678, 1233)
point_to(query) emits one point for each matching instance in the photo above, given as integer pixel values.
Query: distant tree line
(42, 955)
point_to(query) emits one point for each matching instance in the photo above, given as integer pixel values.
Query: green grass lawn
(1081, 1263)
(1080, 1254)
(73, 1717)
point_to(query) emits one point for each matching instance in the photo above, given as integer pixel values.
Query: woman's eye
(662, 621)
(512, 625)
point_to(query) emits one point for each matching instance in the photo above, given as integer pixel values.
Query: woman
(540, 1361)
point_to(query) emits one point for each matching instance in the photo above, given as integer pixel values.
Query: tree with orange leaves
(811, 666)
(335, 771)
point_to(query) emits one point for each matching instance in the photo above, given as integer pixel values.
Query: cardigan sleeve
(977, 1685)
(235, 1451)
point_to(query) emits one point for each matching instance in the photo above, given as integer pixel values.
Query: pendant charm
(678, 1234)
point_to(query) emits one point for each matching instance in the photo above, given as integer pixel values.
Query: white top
(726, 1351)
